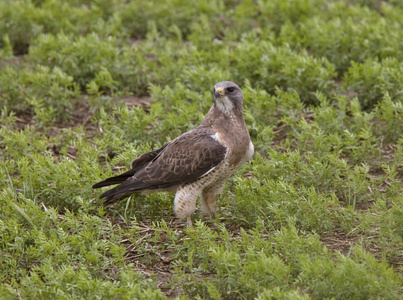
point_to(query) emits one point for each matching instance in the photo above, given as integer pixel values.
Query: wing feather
(180, 161)
(136, 165)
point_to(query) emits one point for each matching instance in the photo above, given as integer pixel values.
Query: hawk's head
(227, 95)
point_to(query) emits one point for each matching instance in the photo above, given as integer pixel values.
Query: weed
(317, 213)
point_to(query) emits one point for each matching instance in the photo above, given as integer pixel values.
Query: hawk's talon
(188, 222)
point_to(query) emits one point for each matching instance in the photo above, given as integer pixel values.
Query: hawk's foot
(188, 222)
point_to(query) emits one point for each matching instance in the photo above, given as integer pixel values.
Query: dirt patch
(153, 259)
(280, 136)
(81, 115)
(339, 241)
(15, 60)
(142, 102)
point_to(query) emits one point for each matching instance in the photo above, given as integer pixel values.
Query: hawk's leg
(208, 202)
(188, 221)
(185, 201)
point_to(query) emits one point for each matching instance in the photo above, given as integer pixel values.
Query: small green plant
(87, 86)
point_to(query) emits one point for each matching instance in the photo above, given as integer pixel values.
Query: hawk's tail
(115, 180)
(113, 195)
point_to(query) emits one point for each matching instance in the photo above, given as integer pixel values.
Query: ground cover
(86, 86)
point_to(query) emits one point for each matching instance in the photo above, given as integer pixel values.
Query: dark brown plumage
(173, 164)
(196, 163)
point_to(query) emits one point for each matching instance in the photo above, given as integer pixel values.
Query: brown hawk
(197, 163)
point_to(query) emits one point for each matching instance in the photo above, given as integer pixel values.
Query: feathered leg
(209, 206)
(185, 202)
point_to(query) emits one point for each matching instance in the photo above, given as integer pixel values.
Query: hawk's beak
(219, 93)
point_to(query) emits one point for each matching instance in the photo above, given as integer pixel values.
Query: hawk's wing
(181, 161)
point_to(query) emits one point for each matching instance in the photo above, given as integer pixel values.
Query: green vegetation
(86, 86)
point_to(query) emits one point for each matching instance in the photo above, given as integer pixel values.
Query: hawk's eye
(230, 89)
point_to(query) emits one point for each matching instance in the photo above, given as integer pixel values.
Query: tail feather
(118, 192)
(127, 187)
(111, 196)
(137, 164)
(115, 180)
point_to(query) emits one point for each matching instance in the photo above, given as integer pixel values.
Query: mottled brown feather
(180, 161)
(198, 163)
(136, 165)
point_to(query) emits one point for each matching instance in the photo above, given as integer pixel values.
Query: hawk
(197, 163)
